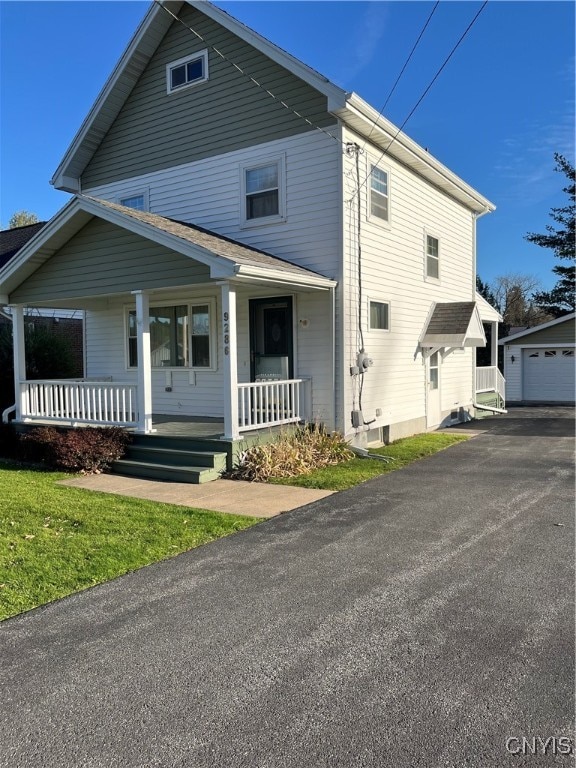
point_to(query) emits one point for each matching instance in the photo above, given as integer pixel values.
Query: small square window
(379, 316)
(187, 71)
(432, 257)
(379, 193)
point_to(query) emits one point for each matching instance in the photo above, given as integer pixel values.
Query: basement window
(188, 71)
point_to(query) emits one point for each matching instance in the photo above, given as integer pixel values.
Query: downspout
(333, 311)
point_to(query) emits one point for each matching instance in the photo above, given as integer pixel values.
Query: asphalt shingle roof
(11, 240)
(217, 244)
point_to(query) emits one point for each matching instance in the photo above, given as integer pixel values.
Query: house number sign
(226, 333)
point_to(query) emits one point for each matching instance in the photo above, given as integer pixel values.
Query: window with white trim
(181, 336)
(379, 193)
(432, 257)
(187, 71)
(378, 315)
(134, 201)
(263, 192)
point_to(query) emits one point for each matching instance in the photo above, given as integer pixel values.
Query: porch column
(19, 351)
(230, 362)
(494, 344)
(144, 362)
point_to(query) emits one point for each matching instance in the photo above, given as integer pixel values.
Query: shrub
(8, 441)
(89, 450)
(292, 454)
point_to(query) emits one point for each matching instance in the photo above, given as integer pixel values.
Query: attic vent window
(188, 71)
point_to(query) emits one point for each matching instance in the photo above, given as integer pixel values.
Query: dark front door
(271, 347)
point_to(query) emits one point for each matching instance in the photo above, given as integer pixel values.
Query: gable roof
(11, 240)
(226, 258)
(536, 328)
(454, 324)
(349, 107)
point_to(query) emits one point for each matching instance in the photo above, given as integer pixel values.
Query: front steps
(175, 459)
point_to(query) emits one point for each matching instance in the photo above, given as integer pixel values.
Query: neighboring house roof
(349, 107)
(226, 258)
(536, 328)
(11, 240)
(454, 324)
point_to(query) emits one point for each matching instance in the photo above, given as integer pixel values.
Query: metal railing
(80, 402)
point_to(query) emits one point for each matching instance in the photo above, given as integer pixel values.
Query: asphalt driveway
(424, 618)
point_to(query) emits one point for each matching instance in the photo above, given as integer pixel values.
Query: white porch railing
(271, 403)
(489, 379)
(80, 402)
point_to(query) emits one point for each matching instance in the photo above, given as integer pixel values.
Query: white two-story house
(252, 246)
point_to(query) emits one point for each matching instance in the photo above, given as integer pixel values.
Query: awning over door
(453, 325)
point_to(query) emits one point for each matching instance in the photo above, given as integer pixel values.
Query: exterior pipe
(488, 408)
(6, 413)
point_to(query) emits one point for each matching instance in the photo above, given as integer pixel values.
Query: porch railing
(81, 402)
(272, 403)
(489, 379)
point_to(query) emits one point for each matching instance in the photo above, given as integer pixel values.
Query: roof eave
(536, 328)
(360, 116)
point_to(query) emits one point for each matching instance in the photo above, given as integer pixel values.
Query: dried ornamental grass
(292, 454)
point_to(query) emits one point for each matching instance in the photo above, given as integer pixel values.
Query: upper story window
(263, 192)
(379, 315)
(190, 70)
(379, 208)
(137, 199)
(432, 257)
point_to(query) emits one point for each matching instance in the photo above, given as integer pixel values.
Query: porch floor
(205, 428)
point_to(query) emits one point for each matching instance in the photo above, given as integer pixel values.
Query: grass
(350, 473)
(55, 540)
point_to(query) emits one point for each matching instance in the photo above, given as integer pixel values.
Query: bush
(87, 450)
(292, 454)
(8, 441)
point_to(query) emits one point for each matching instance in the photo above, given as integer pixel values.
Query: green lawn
(350, 473)
(56, 540)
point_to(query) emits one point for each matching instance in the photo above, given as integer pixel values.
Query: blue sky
(497, 113)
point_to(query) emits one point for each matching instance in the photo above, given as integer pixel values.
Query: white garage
(539, 363)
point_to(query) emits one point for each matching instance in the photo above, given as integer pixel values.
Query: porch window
(168, 337)
(201, 352)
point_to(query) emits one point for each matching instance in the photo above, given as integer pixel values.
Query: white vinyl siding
(392, 266)
(208, 193)
(199, 392)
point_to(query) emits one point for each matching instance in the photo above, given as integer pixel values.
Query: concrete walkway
(233, 496)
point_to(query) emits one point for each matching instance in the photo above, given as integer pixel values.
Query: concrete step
(166, 472)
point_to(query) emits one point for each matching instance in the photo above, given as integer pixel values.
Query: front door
(271, 339)
(433, 409)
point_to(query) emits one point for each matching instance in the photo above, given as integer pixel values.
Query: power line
(249, 76)
(402, 71)
(429, 86)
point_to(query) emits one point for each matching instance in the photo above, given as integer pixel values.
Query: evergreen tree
(561, 239)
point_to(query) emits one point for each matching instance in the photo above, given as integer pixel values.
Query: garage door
(549, 374)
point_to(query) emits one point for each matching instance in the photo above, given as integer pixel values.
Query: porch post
(230, 393)
(19, 351)
(494, 344)
(144, 362)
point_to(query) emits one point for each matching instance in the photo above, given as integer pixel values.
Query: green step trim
(154, 455)
(169, 472)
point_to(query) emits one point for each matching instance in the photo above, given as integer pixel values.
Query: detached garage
(539, 363)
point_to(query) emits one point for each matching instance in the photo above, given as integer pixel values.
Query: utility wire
(430, 84)
(249, 76)
(402, 71)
